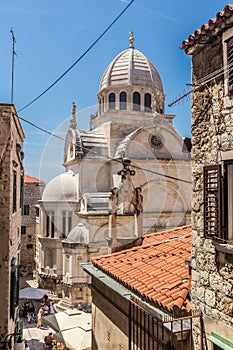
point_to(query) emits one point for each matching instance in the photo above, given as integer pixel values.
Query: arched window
(136, 101)
(111, 100)
(123, 100)
(102, 104)
(147, 103)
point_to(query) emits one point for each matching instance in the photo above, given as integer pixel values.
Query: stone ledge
(223, 247)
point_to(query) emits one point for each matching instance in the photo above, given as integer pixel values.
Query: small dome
(63, 187)
(79, 234)
(131, 67)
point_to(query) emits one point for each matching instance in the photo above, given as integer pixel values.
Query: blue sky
(51, 35)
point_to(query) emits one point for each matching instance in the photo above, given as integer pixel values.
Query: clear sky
(52, 34)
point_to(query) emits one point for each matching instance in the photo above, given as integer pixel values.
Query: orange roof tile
(208, 31)
(156, 269)
(30, 179)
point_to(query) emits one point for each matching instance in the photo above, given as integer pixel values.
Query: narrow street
(34, 336)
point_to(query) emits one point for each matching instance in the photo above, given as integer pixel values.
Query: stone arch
(102, 233)
(163, 196)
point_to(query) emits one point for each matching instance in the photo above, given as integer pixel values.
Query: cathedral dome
(63, 187)
(79, 234)
(131, 68)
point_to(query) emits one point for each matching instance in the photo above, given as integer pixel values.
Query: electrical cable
(213, 74)
(101, 155)
(203, 81)
(79, 59)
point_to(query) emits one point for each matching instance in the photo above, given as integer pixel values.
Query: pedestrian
(39, 317)
(26, 345)
(52, 309)
(48, 339)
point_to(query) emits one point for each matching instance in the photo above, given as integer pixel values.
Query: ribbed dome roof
(63, 187)
(131, 67)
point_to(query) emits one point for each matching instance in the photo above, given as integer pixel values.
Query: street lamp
(6, 344)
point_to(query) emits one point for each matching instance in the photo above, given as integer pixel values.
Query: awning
(219, 341)
(68, 319)
(32, 293)
(75, 338)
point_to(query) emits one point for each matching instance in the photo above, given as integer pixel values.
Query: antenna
(12, 66)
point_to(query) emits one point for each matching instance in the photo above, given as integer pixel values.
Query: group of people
(46, 308)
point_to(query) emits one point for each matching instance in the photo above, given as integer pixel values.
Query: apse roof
(156, 270)
(79, 234)
(63, 187)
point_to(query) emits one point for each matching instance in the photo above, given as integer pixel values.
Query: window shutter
(229, 62)
(212, 200)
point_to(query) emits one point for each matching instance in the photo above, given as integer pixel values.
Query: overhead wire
(203, 81)
(79, 59)
(100, 154)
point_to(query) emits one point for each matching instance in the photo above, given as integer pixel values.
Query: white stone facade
(130, 124)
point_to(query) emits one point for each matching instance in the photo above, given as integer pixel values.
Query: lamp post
(7, 341)
(19, 345)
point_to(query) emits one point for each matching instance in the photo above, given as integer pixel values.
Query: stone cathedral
(132, 147)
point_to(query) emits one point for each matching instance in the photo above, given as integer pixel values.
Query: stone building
(211, 48)
(129, 126)
(11, 199)
(141, 295)
(32, 193)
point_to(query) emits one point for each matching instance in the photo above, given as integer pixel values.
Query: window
(66, 223)
(136, 101)
(123, 100)
(230, 62)
(111, 100)
(37, 211)
(14, 288)
(63, 224)
(218, 201)
(29, 246)
(70, 221)
(21, 190)
(26, 209)
(23, 230)
(147, 103)
(14, 191)
(49, 225)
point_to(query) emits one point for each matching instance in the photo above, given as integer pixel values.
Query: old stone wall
(11, 143)
(32, 193)
(212, 125)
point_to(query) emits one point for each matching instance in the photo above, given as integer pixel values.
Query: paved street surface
(35, 336)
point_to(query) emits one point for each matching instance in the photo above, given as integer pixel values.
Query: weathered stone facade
(33, 189)
(212, 144)
(11, 180)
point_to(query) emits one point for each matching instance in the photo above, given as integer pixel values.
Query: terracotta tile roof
(223, 20)
(156, 269)
(30, 179)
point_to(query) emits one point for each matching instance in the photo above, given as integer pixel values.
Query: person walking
(39, 317)
(48, 339)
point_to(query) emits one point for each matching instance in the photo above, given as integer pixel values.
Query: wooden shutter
(212, 201)
(230, 61)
